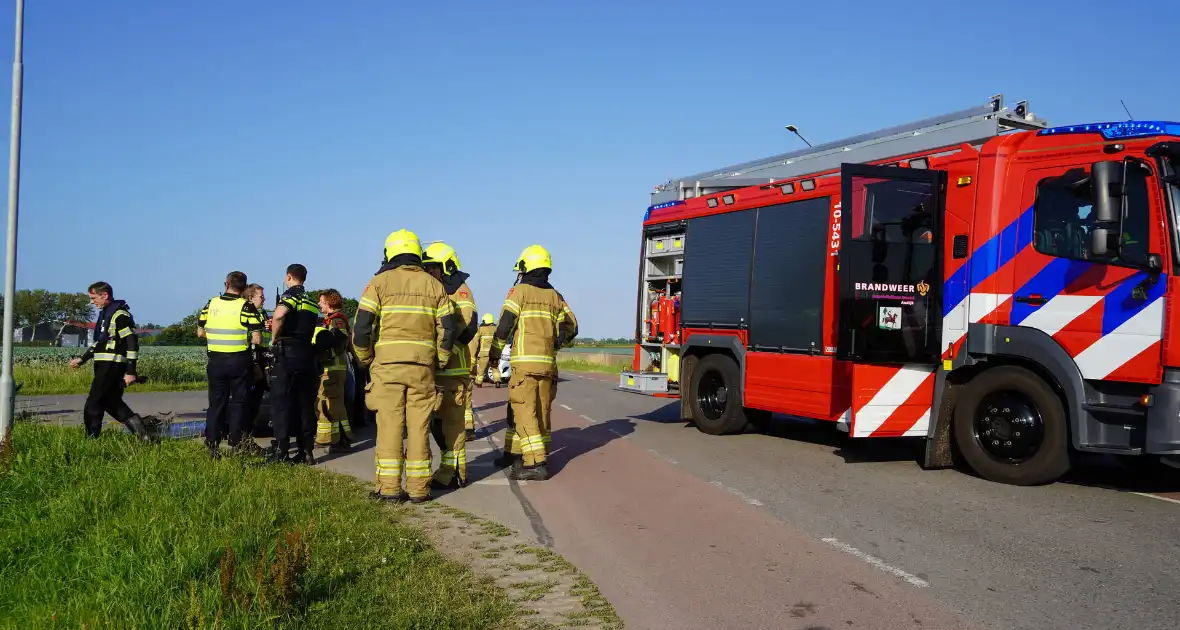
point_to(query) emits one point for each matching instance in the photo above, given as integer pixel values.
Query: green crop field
(47, 371)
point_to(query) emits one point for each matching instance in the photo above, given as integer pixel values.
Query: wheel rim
(1009, 427)
(712, 394)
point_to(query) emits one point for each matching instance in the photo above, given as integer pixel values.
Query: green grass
(110, 533)
(582, 365)
(47, 371)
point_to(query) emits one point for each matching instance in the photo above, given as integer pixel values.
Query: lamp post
(7, 389)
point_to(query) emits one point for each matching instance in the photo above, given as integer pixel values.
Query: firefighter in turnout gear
(332, 429)
(405, 329)
(479, 347)
(115, 351)
(454, 378)
(538, 322)
(230, 324)
(295, 374)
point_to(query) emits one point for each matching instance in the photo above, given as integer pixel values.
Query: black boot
(277, 454)
(540, 472)
(343, 446)
(214, 450)
(135, 423)
(389, 498)
(470, 434)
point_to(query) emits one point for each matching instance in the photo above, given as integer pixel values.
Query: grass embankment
(110, 533)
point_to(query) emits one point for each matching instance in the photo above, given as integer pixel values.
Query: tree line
(184, 332)
(31, 307)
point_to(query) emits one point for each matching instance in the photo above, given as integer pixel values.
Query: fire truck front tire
(1010, 426)
(717, 396)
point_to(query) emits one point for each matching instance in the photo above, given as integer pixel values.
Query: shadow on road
(573, 442)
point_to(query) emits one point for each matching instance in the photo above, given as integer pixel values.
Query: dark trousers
(294, 387)
(106, 396)
(229, 375)
(253, 404)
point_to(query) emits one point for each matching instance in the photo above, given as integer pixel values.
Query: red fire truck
(1002, 288)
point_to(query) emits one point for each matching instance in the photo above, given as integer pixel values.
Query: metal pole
(7, 390)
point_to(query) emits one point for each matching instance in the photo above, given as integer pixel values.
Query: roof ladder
(974, 125)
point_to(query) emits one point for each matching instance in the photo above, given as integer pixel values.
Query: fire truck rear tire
(717, 396)
(1010, 426)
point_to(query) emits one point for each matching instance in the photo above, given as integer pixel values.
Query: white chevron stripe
(900, 386)
(1124, 343)
(978, 306)
(1058, 312)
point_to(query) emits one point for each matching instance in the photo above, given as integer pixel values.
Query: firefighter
(115, 351)
(479, 347)
(230, 324)
(332, 429)
(294, 375)
(454, 378)
(405, 328)
(538, 322)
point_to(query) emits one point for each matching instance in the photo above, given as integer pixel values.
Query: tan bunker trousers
(456, 403)
(531, 397)
(332, 412)
(404, 397)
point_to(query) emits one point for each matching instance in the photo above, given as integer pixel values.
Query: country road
(801, 528)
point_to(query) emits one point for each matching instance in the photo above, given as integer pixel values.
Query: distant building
(65, 334)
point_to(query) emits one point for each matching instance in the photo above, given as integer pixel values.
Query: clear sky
(167, 143)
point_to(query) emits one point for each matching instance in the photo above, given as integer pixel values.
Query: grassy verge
(110, 533)
(61, 381)
(582, 365)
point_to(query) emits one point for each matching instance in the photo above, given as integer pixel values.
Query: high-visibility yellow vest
(337, 360)
(224, 330)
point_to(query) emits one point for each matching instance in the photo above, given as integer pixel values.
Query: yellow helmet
(533, 257)
(487, 318)
(439, 253)
(402, 242)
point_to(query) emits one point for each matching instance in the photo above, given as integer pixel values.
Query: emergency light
(1119, 130)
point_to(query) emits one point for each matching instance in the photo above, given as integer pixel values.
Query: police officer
(230, 324)
(538, 322)
(256, 295)
(115, 351)
(405, 328)
(453, 379)
(294, 376)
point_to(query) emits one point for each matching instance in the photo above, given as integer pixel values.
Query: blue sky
(248, 135)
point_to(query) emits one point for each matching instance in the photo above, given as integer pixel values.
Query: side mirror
(1103, 243)
(1107, 188)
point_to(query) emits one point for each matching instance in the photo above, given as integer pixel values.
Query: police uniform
(332, 427)
(228, 320)
(454, 378)
(537, 321)
(404, 328)
(115, 351)
(295, 377)
(258, 384)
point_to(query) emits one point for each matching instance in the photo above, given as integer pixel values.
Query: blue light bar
(1119, 130)
(660, 206)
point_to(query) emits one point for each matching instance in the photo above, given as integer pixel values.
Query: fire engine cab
(1005, 289)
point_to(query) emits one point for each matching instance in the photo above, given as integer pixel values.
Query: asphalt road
(801, 527)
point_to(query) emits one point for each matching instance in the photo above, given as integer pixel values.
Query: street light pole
(7, 384)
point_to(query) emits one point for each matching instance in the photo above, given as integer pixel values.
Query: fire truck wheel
(1010, 427)
(717, 396)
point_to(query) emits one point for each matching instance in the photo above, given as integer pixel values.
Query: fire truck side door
(890, 265)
